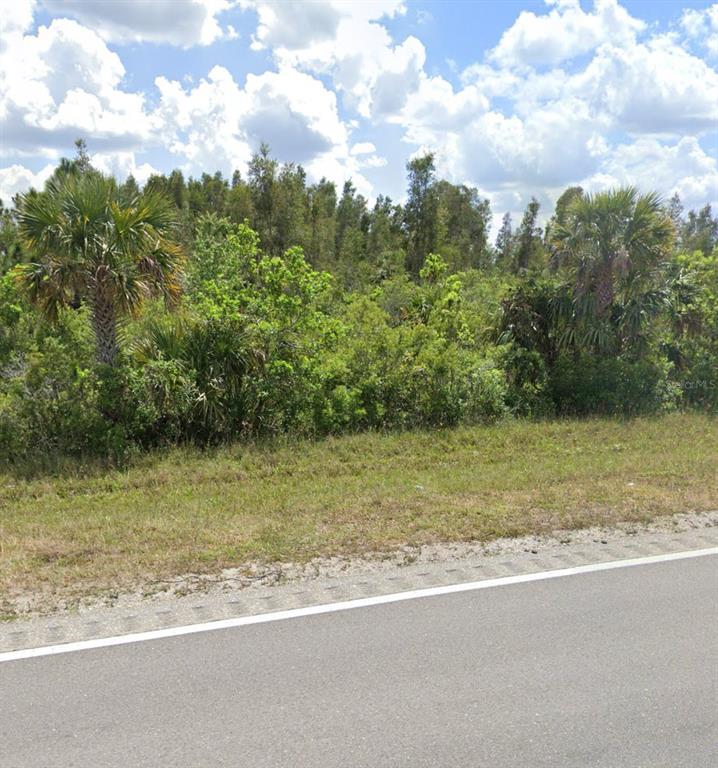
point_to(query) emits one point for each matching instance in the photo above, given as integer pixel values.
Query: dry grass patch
(91, 531)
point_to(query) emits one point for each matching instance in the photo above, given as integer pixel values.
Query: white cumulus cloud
(348, 42)
(121, 165)
(648, 163)
(186, 23)
(574, 93)
(565, 32)
(15, 19)
(218, 123)
(701, 25)
(62, 83)
(17, 178)
(653, 88)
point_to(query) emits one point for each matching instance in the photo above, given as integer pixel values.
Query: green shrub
(698, 384)
(265, 345)
(527, 381)
(585, 385)
(693, 343)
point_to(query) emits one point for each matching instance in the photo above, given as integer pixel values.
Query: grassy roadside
(190, 511)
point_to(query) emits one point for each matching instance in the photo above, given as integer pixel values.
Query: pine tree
(505, 242)
(82, 159)
(675, 211)
(420, 212)
(700, 231)
(129, 189)
(262, 178)
(528, 238)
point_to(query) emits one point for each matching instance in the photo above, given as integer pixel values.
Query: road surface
(615, 669)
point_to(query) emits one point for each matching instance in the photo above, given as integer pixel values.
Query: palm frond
(85, 241)
(50, 286)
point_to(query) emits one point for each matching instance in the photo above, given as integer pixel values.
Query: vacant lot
(93, 531)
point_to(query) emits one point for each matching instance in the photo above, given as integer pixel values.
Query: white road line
(244, 621)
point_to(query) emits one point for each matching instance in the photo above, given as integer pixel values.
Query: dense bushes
(264, 344)
(692, 344)
(385, 375)
(610, 386)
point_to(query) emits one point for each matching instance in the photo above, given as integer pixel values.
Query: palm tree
(615, 241)
(90, 246)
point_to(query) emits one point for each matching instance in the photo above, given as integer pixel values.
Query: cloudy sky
(516, 98)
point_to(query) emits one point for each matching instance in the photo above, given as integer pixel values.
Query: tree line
(212, 309)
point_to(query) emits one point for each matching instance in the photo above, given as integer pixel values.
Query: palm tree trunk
(604, 289)
(104, 324)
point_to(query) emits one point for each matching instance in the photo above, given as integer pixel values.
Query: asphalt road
(611, 669)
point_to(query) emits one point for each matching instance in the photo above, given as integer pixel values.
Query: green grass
(94, 531)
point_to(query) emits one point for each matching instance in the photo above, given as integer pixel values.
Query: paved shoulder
(611, 669)
(332, 581)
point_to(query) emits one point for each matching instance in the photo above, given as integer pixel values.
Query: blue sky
(515, 98)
